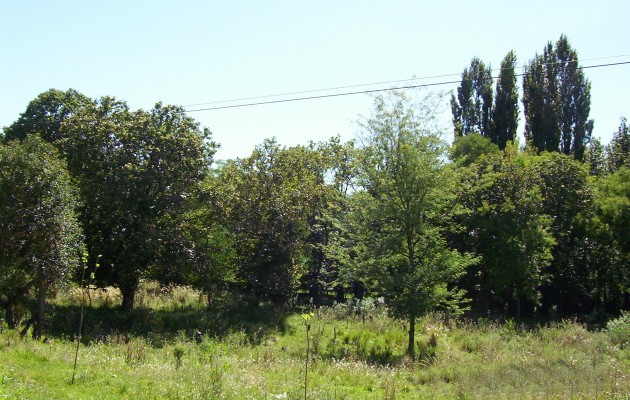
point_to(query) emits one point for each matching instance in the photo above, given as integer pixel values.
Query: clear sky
(188, 52)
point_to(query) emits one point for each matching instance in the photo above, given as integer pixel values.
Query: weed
(135, 351)
(352, 358)
(178, 353)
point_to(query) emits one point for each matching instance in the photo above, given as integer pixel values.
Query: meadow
(174, 346)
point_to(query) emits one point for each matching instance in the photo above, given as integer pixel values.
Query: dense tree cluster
(480, 225)
(556, 101)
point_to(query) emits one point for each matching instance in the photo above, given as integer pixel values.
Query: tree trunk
(340, 295)
(128, 292)
(315, 294)
(41, 306)
(411, 350)
(9, 315)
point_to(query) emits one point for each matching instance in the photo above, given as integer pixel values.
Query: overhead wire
(372, 84)
(405, 87)
(351, 93)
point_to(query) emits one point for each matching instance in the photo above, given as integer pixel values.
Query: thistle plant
(86, 289)
(307, 323)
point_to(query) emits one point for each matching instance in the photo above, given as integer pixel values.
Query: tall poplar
(472, 108)
(505, 113)
(556, 101)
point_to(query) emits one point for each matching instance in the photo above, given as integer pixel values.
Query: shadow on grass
(255, 320)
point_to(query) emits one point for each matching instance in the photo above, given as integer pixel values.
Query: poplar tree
(505, 113)
(556, 101)
(472, 108)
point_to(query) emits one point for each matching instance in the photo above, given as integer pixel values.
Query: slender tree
(595, 157)
(409, 198)
(556, 101)
(472, 108)
(505, 113)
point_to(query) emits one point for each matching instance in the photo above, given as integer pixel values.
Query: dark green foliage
(556, 100)
(506, 227)
(45, 115)
(472, 108)
(505, 111)
(40, 238)
(618, 153)
(137, 172)
(611, 229)
(270, 199)
(326, 246)
(566, 196)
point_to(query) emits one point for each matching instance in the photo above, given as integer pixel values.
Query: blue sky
(189, 52)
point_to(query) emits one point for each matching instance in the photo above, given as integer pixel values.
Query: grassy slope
(353, 357)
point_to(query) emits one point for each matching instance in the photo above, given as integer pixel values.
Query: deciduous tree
(618, 150)
(410, 197)
(506, 228)
(40, 238)
(137, 172)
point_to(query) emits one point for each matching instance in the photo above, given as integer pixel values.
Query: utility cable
(370, 91)
(374, 84)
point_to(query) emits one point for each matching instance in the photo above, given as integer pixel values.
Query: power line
(372, 84)
(324, 96)
(369, 91)
(318, 90)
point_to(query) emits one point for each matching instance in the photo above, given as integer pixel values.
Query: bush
(618, 329)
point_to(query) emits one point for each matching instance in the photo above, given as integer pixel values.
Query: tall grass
(355, 352)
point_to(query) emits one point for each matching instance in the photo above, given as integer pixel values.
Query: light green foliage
(595, 157)
(410, 200)
(40, 238)
(467, 149)
(618, 150)
(619, 329)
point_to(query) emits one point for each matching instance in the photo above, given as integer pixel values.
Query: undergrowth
(172, 349)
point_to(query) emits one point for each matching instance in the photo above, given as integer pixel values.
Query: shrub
(618, 329)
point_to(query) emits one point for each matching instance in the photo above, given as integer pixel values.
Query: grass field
(355, 352)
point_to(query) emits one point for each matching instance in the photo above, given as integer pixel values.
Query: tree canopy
(397, 214)
(40, 238)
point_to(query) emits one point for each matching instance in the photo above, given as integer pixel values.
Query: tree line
(479, 226)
